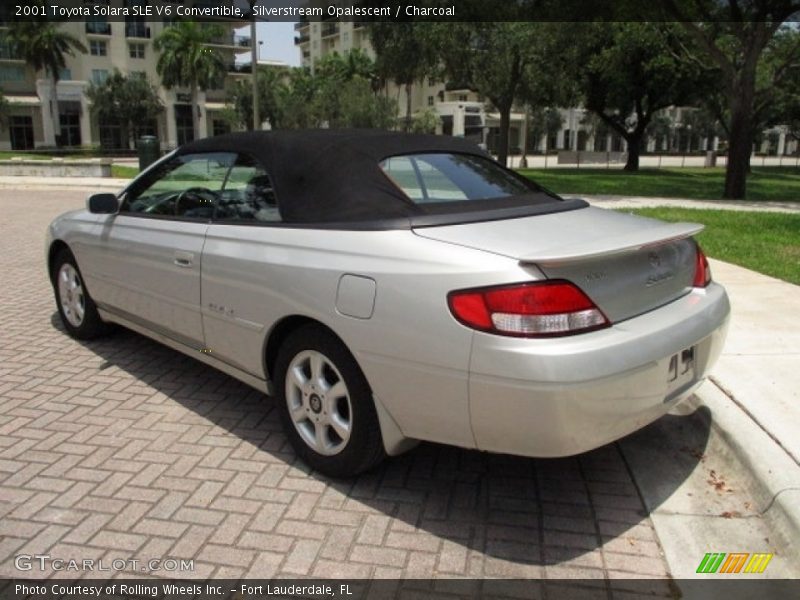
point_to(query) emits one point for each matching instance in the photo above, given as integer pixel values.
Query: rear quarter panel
(413, 353)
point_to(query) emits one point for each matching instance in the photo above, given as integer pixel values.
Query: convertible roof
(326, 175)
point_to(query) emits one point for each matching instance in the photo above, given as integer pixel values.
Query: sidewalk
(758, 371)
(90, 184)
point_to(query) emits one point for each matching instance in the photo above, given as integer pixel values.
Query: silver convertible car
(389, 288)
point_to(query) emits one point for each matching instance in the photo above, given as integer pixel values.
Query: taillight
(702, 272)
(537, 309)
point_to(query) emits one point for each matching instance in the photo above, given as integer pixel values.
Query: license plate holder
(681, 369)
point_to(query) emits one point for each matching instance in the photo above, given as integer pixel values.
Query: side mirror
(102, 204)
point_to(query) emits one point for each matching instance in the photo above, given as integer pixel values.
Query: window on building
(138, 75)
(184, 124)
(220, 127)
(20, 129)
(462, 97)
(12, 74)
(65, 75)
(98, 48)
(69, 116)
(136, 50)
(346, 37)
(110, 135)
(99, 76)
(430, 100)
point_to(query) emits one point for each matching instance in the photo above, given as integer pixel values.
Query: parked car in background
(389, 288)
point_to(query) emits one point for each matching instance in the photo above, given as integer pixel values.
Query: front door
(149, 260)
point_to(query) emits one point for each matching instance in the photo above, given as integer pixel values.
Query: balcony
(239, 69)
(136, 30)
(301, 39)
(329, 29)
(98, 28)
(231, 39)
(9, 52)
(301, 25)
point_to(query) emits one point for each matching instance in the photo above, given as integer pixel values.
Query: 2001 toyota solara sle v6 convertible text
(388, 288)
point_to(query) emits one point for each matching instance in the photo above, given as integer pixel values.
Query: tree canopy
(186, 60)
(129, 101)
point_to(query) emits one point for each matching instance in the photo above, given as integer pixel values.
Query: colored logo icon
(734, 562)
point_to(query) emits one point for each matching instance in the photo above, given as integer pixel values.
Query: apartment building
(126, 46)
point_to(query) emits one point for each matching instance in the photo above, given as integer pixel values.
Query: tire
(326, 404)
(76, 308)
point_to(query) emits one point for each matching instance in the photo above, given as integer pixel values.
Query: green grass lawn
(123, 172)
(764, 183)
(6, 155)
(765, 242)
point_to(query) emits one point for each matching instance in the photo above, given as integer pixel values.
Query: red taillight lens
(527, 309)
(702, 272)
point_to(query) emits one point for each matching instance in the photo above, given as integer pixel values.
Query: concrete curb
(89, 184)
(774, 471)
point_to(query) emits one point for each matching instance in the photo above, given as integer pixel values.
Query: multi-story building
(126, 46)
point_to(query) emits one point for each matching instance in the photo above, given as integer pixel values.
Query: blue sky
(277, 42)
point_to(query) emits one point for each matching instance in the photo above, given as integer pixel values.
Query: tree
(130, 101)
(341, 92)
(404, 54)
(506, 62)
(45, 46)
(5, 108)
(425, 122)
(734, 36)
(186, 60)
(628, 71)
(297, 100)
(270, 90)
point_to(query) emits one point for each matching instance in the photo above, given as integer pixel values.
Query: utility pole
(254, 64)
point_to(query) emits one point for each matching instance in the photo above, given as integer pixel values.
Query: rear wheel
(75, 307)
(326, 404)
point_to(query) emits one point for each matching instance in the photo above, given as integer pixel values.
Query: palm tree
(45, 47)
(186, 60)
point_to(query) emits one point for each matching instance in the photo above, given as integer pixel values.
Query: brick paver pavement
(121, 448)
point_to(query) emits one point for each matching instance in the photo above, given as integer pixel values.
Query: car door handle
(184, 259)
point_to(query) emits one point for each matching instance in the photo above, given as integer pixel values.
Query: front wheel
(75, 307)
(326, 404)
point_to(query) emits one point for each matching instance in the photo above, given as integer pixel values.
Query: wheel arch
(56, 246)
(283, 329)
(394, 441)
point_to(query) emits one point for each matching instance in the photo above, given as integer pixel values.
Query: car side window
(248, 195)
(188, 186)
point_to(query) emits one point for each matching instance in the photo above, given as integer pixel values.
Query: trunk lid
(626, 264)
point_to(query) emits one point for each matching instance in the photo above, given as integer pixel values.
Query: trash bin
(711, 159)
(149, 151)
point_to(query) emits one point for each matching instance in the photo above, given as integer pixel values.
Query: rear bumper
(564, 396)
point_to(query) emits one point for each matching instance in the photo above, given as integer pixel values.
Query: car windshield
(441, 177)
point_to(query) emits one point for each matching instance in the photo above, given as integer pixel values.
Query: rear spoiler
(619, 244)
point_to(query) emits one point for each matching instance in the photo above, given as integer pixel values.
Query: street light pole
(254, 60)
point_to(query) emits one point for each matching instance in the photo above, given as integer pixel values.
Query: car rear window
(441, 177)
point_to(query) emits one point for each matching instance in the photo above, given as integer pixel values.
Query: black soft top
(328, 176)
